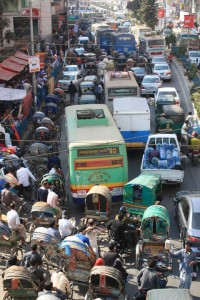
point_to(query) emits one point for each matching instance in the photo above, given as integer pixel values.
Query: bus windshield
(156, 42)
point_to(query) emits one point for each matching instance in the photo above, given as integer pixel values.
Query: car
(92, 78)
(71, 68)
(167, 32)
(150, 84)
(88, 99)
(187, 216)
(158, 60)
(163, 70)
(66, 77)
(79, 51)
(168, 91)
(194, 57)
(139, 73)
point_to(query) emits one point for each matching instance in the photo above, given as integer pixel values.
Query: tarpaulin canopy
(11, 66)
(22, 55)
(18, 60)
(6, 75)
(7, 94)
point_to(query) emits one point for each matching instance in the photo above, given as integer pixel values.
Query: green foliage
(181, 51)
(171, 39)
(135, 6)
(149, 13)
(9, 35)
(192, 72)
(4, 22)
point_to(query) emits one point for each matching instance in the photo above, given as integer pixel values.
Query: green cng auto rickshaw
(163, 100)
(141, 192)
(154, 233)
(171, 120)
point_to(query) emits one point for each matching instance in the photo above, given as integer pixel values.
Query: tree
(149, 13)
(4, 22)
(135, 6)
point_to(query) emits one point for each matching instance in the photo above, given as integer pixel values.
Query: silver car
(150, 84)
(65, 79)
(187, 216)
(163, 70)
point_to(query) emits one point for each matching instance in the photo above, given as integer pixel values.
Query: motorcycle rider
(118, 230)
(195, 141)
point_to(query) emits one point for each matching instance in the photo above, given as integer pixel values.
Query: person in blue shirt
(85, 239)
(187, 261)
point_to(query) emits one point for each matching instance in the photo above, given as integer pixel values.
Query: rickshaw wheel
(7, 297)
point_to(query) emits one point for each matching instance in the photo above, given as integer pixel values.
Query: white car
(71, 68)
(194, 57)
(67, 77)
(168, 91)
(150, 84)
(163, 70)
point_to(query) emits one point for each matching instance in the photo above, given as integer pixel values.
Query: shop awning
(22, 55)
(12, 66)
(6, 75)
(18, 60)
(7, 94)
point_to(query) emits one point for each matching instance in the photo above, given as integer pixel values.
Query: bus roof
(122, 34)
(111, 81)
(152, 37)
(88, 135)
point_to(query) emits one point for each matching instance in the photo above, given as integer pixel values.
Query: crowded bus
(188, 40)
(103, 38)
(152, 45)
(96, 151)
(119, 84)
(123, 42)
(139, 31)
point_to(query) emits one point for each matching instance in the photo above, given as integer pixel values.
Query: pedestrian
(91, 232)
(61, 282)
(51, 292)
(187, 261)
(111, 255)
(32, 254)
(24, 176)
(65, 226)
(7, 197)
(72, 91)
(52, 199)
(15, 225)
(42, 192)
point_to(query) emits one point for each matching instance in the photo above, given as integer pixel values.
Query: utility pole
(33, 54)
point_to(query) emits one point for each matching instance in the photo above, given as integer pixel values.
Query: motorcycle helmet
(123, 210)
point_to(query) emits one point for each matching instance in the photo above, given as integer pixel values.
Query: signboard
(76, 28)
(35, 12)
(61, 18)
(189, 21)
(34, 64)
(161, 13)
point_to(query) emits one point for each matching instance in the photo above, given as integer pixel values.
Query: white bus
(152, 45)
(139, 31)
(119, 84)
(97, 26)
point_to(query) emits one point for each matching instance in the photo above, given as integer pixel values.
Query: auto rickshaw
(142, 192)
(52, 111)
(52, 98)
(8, 241)
(58, 182)
(154, 233)
(42, 215)
(19, 284)
(42, 134)
(78, 261)
(163, 100)
(171, 120)
(37, 117)
(106, 283)
(98, 203)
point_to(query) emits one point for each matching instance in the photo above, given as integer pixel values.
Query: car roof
(195, 201)
(71, 66)
(71, 73)
(158, 57)
(88, 97)
(170, 88)
(149, 76)
(162, 64)
(138, 68)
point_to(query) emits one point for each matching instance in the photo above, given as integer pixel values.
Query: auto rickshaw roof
(173, 110)
(157, 211)
(169, 294)
(148, 180)
(107, 271)
(102, 190)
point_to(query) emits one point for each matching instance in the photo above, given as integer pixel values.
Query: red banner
(189, 21)
(161, 13)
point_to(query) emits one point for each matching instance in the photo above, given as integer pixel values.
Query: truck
(132, 116)
(170, 164)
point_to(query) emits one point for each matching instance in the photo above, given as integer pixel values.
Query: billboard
(161, 13)
(189, 21)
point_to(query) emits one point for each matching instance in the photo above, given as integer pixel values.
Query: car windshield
(195, 221)
(173, 93)
(158, 59)
(151, 80)
(67, 69)
(161, 67)
(67, 77)
(194, 54)
(139, 71)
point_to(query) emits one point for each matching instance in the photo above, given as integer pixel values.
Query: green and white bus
(96, 151)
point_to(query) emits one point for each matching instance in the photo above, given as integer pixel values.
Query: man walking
(187, 260)
(72, 91)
